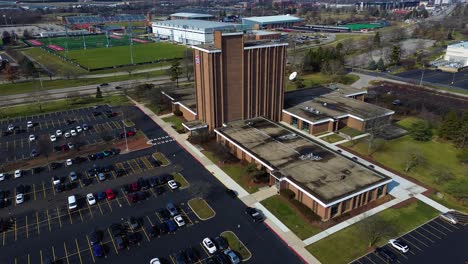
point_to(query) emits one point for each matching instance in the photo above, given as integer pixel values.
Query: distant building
(388, 5)
(191, 31)
(183, 15)
(457, 54)
(269, 22)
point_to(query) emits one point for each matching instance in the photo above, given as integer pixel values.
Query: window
(334, 210)
(346, 205)
(355, 201)
(380, 191)
(369, 196)
(294, 121)
(305, 126)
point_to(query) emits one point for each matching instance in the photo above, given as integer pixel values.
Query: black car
(120, 172)
(2, 199)
(221, 243)
(69, 122)
(68, 186)
(140, 195)
(126, 189)
(386, 254)
(34, 153)
(168, 177)
(159, 190)
(104, 84)
(180, 258)
(37, 170)
(107, 168)
(120, 242)
(7, 133)
(143, 184)
(254, 214)
(231, 193)
(164, 213)
(162, 227)
(152, 181)
(79, 159)
(20, 189)
(95, 237)
(221, 258)
(153, 231)
(87, 181)
(58, 188)
(192, 255)
(160, 180)
(134, 238)
(117, 230)
(55, 165)
(95, 113)
(115, 151)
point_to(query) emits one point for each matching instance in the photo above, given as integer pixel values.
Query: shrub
(421, 131)
(177, 112)
(288, 194)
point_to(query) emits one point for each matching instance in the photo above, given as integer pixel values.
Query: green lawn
(107, 57)
(351, 131)
(176, 121)
(278, 206)
(237, 172)
(60, 105)
(332, 138)
(407, 122)
(161, 159)
(180, 179)
(33, 86)
(349, 243)
(236, 245)
(201, 208)
(53, 63)
(315, 79)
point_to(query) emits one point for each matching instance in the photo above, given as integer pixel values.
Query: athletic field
(357, 27)
(120, 55)
(90, 42)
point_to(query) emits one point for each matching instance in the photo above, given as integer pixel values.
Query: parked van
(72, 204)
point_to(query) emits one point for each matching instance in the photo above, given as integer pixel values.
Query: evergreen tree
(98, 92)
(462, 137)
(395, 55)
(175, 71)
(381, 65)
(450, 126)
(376, 40)
(372, 65)
(421, 131)
(449, 36)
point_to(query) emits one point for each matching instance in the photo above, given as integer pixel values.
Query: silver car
(449, 218)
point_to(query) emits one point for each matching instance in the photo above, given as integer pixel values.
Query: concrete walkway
(296, 244)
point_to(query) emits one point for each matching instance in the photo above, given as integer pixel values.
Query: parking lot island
(236, 245)
(161, 159)
(180, 180)
(201, 208)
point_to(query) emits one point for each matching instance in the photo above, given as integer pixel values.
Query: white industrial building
(192, 31)
(457, 54)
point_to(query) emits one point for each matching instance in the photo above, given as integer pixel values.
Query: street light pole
(124, 129)
(422, 76)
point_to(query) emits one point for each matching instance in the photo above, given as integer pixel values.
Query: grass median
(236, 245)
(176, 122)
(60, 105)
(352, 243)
(180, 179)
(201, 208)
(163, 161)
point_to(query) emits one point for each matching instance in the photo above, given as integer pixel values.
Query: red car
(110, 194)
(134, 187)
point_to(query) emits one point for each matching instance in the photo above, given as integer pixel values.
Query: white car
(155, 261)
(2, 177)
(90, 198)
(172, 184)
(30, 124)
(85, 127)
(449, 218)
(32, 137)
(18, 173)
(53, 138)
(73, 132)
(11, 127)
(78, 129)
(179, 220)
(69, 162)
(399, 245)
(58, 133)
(209, 245)
(19, 198)
(67, 134)
(72, 204)
(55, 180)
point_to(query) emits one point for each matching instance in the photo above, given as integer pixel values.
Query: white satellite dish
(293, 76)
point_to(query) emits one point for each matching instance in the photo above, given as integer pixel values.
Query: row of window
(295, 123)
(359, 200)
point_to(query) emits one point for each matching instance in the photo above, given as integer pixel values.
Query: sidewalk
(273, 223)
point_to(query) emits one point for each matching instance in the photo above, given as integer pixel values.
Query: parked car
(132, 197)
(172, 184)
(152, 181)
(232, 256)
(192, 255)
(90, 199)
(106, 153)
(87, 181)
(101, 196)
(171, 226)
(95, 237)
(73, 176)
(159, 190)
(209, 245)
(32, 137)
(55, 165)
(164, 214)
(134, 187)
(34, 153)
(58, 133)
(153, 260)
(53, 138)
(117, 230)
(70, 145)
(55, 180)
(69, 162)
(254, 214)
(172, 209)
(179, 220)
(98, 250)
(134, 238)
(29, 124)
(386, 254)
(221, 243)
(79, 129)
(92, 157)
(72, 203)
(231, 193)
(101, 176)
(67, 134)
(110, 194)
(133, 223)
(73, 133)
(18, 173)
(120, 172)
(2, 176)
(153, 231)
(143, 184)
(449, 217)
(180, 258)
(120, 243)
(19, 198)
(85, 127)
(399, 245)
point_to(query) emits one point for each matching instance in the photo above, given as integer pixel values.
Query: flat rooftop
(191, 15)
(325, 175)
(272, 19)
(463, 45)
(185, 96)
(335, 106)
(253, 44)
(197, 25)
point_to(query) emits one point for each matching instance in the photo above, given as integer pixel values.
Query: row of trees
(455, 128)
(329, 60)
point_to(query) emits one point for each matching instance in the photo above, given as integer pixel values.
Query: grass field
(60, 105)
(332, 138)
(349, 243)
(278, 206)
(90, 41)
(201, 208)
(53, 63)
(108, 57)
(314, 79)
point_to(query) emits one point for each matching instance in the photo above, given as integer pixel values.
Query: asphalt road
(460, 79)
(52, 231)
(434, 242)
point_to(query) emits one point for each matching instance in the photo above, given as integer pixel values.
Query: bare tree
(374, 127)
(106, 135)
(44, 147)
(413, 158)
(188, 64)
(374, 228)
(39, 97)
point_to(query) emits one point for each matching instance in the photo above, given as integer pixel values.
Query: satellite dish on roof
(293, 76)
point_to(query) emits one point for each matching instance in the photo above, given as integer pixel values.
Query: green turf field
(357, 27)
(91, 41)
(114, 56)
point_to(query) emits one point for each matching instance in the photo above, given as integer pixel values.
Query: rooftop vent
(250, 123)
(288, 136)
(324, 104)
(311, 110)
(343, 177)
(310, 156)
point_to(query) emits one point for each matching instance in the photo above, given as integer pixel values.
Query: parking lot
(44, 228)
(437, 241)
(459, 79)
(16, 144)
